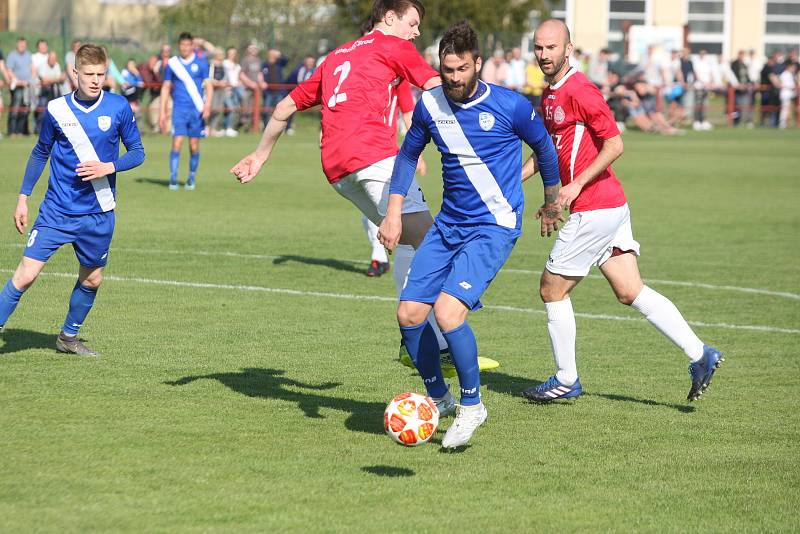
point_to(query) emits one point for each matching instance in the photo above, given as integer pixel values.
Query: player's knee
(92, 281)
(549, 293)
(23, 279)
(408, 316)
(627, 296)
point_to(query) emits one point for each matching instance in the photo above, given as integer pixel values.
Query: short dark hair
(184, 36)
(21, 38)
(380, 7)
(366, 26)
(459, 39)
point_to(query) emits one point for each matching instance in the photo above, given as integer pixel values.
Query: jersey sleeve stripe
(83, 148)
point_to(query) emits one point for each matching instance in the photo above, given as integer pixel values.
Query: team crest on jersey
(194, 67)
(486, 120)
(559, 115)
(104, 122)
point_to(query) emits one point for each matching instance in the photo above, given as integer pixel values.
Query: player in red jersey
(354, 86)
(598, 231)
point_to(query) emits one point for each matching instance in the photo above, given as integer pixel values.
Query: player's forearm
(130, 159)
(394, 208)
(33, 170)
(529, 168)
(612, 149)
(275, 127)
(551, 195)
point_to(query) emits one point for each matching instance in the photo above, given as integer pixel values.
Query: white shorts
(588, 238)
(368, 189)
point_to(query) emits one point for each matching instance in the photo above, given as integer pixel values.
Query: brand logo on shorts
(559, 115)
(486, 120)
(465, 285)
(104, 122)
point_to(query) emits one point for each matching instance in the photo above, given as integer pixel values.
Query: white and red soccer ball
(411, 419)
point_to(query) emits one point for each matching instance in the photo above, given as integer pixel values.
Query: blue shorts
(188, 122)
(90, 236)
(458, 260)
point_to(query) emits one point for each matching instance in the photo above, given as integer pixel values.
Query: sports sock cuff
(85, 289)
(645, 301)
(413, 327)
(12, 290)
(457, 329)
(559, 310)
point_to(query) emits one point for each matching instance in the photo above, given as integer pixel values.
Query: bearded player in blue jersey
(80, 135)
(187, 79)
(479, 129)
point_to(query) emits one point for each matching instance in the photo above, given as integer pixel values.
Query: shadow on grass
(20, 340)
(339, 265)
(163, 182)
(683, 408)
(271, 384)
(388, 471)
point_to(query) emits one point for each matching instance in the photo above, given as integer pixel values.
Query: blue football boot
(702, 371)
(551, 389)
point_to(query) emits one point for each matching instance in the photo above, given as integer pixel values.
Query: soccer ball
(411, 419)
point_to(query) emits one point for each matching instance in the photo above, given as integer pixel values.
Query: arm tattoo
(551, 194)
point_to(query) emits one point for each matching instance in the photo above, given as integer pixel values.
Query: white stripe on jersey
(180, 71)
(83, 148)
(476, 170)
(576, 144)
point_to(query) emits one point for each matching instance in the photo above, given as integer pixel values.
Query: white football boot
(467, 421)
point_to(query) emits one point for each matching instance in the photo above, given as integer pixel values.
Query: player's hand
(422, 167)
(21, 216)
(206, 113)
(389, 231)
(91, 170)
(247, 168)
(550, 215)
(162, 124)
(568, 194)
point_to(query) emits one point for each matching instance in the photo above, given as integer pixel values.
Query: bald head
(556, 29)
(552, 47)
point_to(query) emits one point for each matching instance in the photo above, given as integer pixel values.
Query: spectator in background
(431, 59)
(770, 95)
(221, 86)
(791, 59)
(534, 84)
(148, 74)
(598, 70)
(253, 81)
(625, 104)
(20, 68)
(648, 97)
(788, 93)
(516, 71)
(496, 69)
(754, 65)
(299, 74)
(272, 72)
(675, 89)
(703, 83)
(50, 81)
(69, 64)
(234, 92)
(132, 85)
(38, 59)
(743, 95)
(6, 78)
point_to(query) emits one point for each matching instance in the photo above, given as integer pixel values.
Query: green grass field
(247, 361)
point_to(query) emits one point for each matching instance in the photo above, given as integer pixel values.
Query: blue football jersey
(481, 146)
(187, 77)
(72, 133)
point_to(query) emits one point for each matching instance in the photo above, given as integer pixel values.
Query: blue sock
(194, 161)
(9, 298)
(174, 162)
(464, 350)
(80, 303)
(420, 341)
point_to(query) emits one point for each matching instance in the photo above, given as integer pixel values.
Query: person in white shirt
(38, 59)
(788, 93)
(235, 92)
(516, 71)
(703, 83)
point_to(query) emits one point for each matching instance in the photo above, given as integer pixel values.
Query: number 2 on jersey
(343, 71)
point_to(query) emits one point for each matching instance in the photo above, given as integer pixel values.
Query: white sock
(561, 326)
(403, 254)
(378, 252)
(663, 314)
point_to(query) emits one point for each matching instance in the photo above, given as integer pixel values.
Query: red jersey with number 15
(578, 119)
(356, 87)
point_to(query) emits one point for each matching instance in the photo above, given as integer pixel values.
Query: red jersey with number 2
(578, 119)
(356, 87)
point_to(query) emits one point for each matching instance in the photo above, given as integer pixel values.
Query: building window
(621, 12)
(782, 26)
(708, 25)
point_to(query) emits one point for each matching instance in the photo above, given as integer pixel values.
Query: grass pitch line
(378, 298)
(223, 254)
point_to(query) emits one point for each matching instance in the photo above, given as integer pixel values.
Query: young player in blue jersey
(479, 129)
(80, 135)
(187, 79)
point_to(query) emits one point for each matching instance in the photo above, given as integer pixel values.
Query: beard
(460, 92)
(553, 67)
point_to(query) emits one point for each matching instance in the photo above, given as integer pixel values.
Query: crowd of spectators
(663, 93)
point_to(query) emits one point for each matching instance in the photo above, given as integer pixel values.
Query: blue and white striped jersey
(481, 145)
(187, 76)
(72, 133)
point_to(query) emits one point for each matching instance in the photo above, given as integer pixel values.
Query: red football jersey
(356, 87)
(578, 119)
